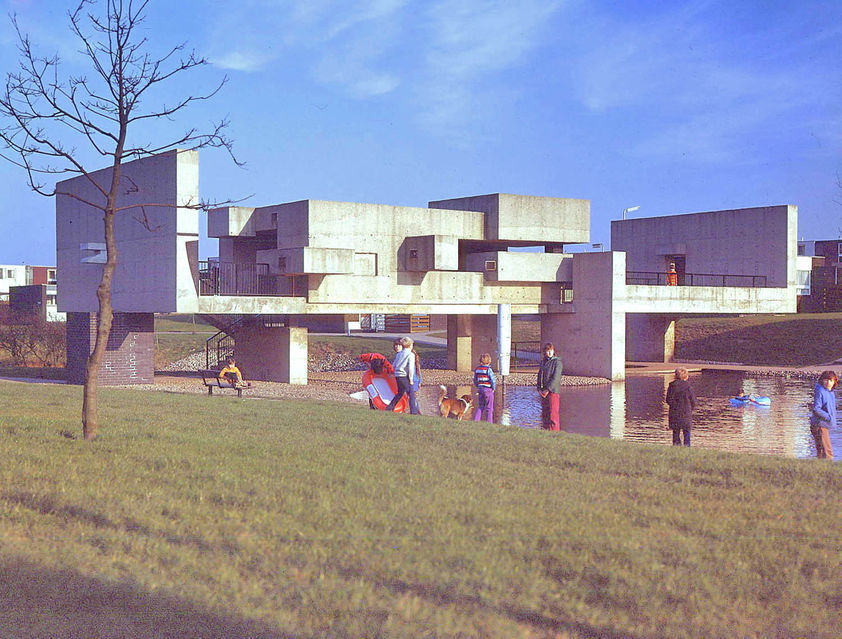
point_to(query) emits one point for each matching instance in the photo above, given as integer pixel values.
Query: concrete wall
(752, 241)
(649, 337)
(526, 218)
(516, 266)
(468, 337)
(272, 354)
(154, 270)
(590, 337)
(429, 253)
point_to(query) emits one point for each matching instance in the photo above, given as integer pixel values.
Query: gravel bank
(332, 376)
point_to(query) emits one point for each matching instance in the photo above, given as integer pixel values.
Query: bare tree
(53, 122)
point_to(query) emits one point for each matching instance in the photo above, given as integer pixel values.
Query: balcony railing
(230, 278)
(653, 278)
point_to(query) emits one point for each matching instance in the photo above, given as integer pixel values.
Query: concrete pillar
(650, 338)
(590, 335)
(273, 354)
(468, 337)
(129, 353)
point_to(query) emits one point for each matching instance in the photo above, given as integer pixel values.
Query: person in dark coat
(549, 386)
(682, 400)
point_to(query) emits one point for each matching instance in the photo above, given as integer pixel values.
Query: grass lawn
(216, 517)
(171, 347)
(775, 340)
(183, 323)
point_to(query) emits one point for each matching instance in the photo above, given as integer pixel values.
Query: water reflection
(633, 410)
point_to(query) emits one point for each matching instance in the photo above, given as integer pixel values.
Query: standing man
(549, 385)
(672, 275)
(823, 416)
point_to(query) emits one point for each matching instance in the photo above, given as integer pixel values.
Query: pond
(634, 410)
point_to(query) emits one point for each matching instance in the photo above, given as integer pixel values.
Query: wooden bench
(211, 380)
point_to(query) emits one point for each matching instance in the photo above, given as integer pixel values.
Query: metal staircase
(220, 345)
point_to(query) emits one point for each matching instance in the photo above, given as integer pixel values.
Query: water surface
(634, 410)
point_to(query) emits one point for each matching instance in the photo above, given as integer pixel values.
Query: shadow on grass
(443, 596)
(33, 372)
(38, 602)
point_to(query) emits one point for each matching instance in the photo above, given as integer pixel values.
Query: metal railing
(232, 278)
(653, 278)
(525, 355)
(220, 346)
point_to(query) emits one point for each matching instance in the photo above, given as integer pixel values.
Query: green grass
(216, 517)
(183, 323)
(773, 340)
(171, 347)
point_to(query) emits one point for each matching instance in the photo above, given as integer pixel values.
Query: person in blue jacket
(486, 383)
(823, 415)
(414, 407)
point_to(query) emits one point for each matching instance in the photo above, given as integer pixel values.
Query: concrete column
(650, 338)
(590, 337)
(468, 337)
(274, 354)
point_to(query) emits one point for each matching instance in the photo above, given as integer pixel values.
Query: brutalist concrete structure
(456, 257)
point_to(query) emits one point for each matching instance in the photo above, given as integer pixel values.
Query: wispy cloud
(470, 41)
(710, 92)
(342, 43)
(438, 53)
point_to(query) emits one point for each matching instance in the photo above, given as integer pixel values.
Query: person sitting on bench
(232, 375)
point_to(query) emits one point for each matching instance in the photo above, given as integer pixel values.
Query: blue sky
(671, 106)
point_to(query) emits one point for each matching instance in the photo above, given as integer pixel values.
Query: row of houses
(32, 289)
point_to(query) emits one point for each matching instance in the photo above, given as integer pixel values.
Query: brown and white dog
(457, 407)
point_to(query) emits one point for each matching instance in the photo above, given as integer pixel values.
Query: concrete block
(231, 221)
(422, 253)
(308, 259)
(527, 218)
(153, 272)
(751, 241)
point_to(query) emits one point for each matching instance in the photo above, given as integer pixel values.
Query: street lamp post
(629, 210)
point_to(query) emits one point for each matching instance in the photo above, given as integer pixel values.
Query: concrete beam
(675, 300)
(516, 266)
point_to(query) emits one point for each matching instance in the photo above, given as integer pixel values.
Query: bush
(33, 341)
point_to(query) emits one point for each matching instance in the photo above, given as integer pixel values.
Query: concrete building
(279, 265)
(824, 258)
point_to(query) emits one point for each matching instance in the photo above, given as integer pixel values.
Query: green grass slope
(774, 340)
(217, 517)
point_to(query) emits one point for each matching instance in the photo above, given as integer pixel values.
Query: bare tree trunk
(105, 316)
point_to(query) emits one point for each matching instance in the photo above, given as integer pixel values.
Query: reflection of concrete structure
(279, 264)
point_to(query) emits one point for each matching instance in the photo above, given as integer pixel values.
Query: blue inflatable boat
(751, 399)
